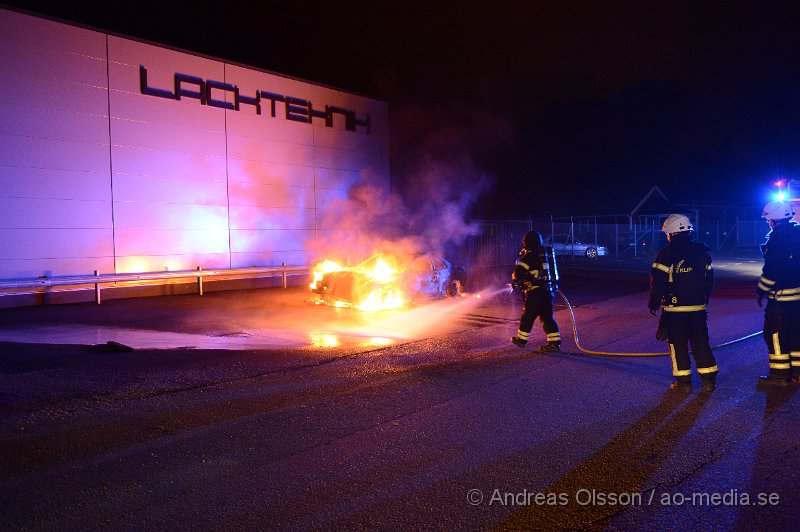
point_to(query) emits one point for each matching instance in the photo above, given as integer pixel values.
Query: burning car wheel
(453, 289)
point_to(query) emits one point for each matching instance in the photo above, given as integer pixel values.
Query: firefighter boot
(709, 385)
(517, 341)
(550, 347)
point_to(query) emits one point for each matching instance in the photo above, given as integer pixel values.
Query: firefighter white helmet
(777, 210)
(676, 223)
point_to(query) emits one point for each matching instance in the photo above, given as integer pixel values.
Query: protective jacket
(536, 276)
(536, 268)
(682, 277)
(780, 284)
(681, 280)
(780, 278)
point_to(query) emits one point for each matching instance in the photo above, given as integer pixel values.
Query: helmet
(532, 239)
(777, 210)
(676, 223)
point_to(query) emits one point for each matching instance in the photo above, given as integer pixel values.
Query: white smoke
(436, 181)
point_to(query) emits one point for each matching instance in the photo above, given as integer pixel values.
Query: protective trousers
(782, 335)
(538, 304)
(690, 328)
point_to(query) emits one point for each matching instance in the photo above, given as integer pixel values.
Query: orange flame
(372, 285)
(321, 269)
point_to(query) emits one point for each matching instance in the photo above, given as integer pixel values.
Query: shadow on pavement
(773, 473)
(622, 466)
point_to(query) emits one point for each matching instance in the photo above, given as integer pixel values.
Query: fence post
(199, 282)
(283, 274)
(97, 288)
(572, 238)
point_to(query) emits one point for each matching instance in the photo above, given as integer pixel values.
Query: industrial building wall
(99, 173)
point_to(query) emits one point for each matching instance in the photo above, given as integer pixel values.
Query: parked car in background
(580, 249)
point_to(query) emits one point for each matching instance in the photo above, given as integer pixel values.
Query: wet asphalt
(280, 414)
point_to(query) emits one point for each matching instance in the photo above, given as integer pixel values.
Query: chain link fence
(497, 242)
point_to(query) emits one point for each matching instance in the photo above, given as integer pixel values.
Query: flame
(383, 272)
(373, 285)
(321, 269)
(379, 300)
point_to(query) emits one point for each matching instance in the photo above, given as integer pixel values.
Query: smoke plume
(437, 177)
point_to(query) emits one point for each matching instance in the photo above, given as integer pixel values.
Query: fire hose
(616, 354)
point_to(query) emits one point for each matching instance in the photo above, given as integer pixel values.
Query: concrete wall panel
(176, 262)
(271, 218)
(29, 91)
(42, 183)
(336, 178)
(139, 242)
(162, 137)
(53, 124)
(247, 123)
(24, 32)
(94, 174)
(268, 195)
(140, 161)
(142, 215)
(52, 154)
(243, 241)
(259, 172)
(330, 197)
(160, 62)
(269, 151)
(177, 190)
(59, 267)
(55, 243)
(30, 213)
(253, 259)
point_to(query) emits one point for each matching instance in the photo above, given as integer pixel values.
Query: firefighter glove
(760, 300)
(653, 312)
(661, 335)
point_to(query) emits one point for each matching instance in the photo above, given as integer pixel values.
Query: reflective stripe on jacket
(681, 278)
(780, 277)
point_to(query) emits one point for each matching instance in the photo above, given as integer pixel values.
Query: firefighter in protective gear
(779, 284)
(536, 276)
(681, 280)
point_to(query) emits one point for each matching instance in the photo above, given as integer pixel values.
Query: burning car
(380, 283)
(432, 276)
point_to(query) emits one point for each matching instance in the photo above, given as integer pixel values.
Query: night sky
(550, 106)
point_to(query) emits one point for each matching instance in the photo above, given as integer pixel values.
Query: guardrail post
(283, 274)
(199, 282)
(97, 288)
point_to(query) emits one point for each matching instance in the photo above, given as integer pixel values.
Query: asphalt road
(266, 412)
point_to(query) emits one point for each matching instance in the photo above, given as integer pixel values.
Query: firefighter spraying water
(536, 276)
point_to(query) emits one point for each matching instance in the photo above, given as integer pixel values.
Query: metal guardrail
(98, 279)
